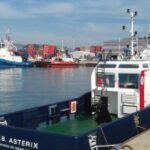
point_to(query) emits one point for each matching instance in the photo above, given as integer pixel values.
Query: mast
(148, 37)
(132, 30)
(62, 45)
(119, 46)
(8, 43)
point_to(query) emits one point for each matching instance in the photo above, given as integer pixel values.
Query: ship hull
(44, 64)
(7, 63)
(63, 63)
(24, 129)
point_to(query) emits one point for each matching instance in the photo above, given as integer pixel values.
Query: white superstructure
(5, 54)
(7, 49)
(126, 83)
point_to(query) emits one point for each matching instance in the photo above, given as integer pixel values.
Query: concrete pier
(88, 63)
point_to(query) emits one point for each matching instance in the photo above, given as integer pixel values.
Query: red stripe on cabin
(142, 90)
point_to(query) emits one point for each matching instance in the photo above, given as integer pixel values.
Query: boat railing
(113, 147)
(118, 146)
(93, 146)
(112, 138)
(49, 114)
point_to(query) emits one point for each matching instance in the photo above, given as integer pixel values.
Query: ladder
(100, 72)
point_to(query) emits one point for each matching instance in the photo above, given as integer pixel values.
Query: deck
(79, 125)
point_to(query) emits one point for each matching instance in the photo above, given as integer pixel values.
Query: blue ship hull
(6, 63)
(20, 131)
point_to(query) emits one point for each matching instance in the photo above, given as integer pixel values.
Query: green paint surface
(79, 125)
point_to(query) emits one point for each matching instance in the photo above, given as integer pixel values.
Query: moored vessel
(9, 55)
(62, 62)
(42, 63)
(63, 59)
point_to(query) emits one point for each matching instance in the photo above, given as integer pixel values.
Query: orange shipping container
(31, 50)
(49, 49)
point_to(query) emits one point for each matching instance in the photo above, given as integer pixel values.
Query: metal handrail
(114, 146)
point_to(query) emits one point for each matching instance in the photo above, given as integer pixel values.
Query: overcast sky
(77, 22)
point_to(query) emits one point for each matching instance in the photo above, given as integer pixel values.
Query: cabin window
(145, 65)
(128, 80)
(107, 66)
(128, 66)
(107, 80)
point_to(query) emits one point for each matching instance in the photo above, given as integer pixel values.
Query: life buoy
(100, 82)
(73, 106)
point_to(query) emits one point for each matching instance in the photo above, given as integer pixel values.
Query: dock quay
(138, 142)
(88, 63)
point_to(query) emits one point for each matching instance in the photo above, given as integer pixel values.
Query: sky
(76, 22)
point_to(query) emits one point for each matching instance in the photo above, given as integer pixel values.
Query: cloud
(90, 20)
(32, 9)
(8, 11)
(92, 28)
(52, 9)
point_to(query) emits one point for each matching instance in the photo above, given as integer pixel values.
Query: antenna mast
(132, 30)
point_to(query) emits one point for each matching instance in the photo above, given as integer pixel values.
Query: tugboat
(127, 84)
(63, 59)
(9, 55)
(105, 118)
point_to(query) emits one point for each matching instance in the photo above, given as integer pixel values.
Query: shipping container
(49, 49)
(77, 49)
(31, 50)
(96, 49)
(92, 49)
(52, 49)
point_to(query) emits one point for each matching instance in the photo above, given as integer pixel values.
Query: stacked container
(96, 49)
(49, 49)
(31, 50)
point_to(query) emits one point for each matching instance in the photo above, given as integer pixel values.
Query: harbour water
(22, 88)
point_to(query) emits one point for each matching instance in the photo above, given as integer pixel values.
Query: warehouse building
(118, 46)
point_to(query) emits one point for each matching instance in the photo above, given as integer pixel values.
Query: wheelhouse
(126, 83)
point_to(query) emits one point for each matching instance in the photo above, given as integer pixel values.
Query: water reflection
(10, 80)
(27, 87)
